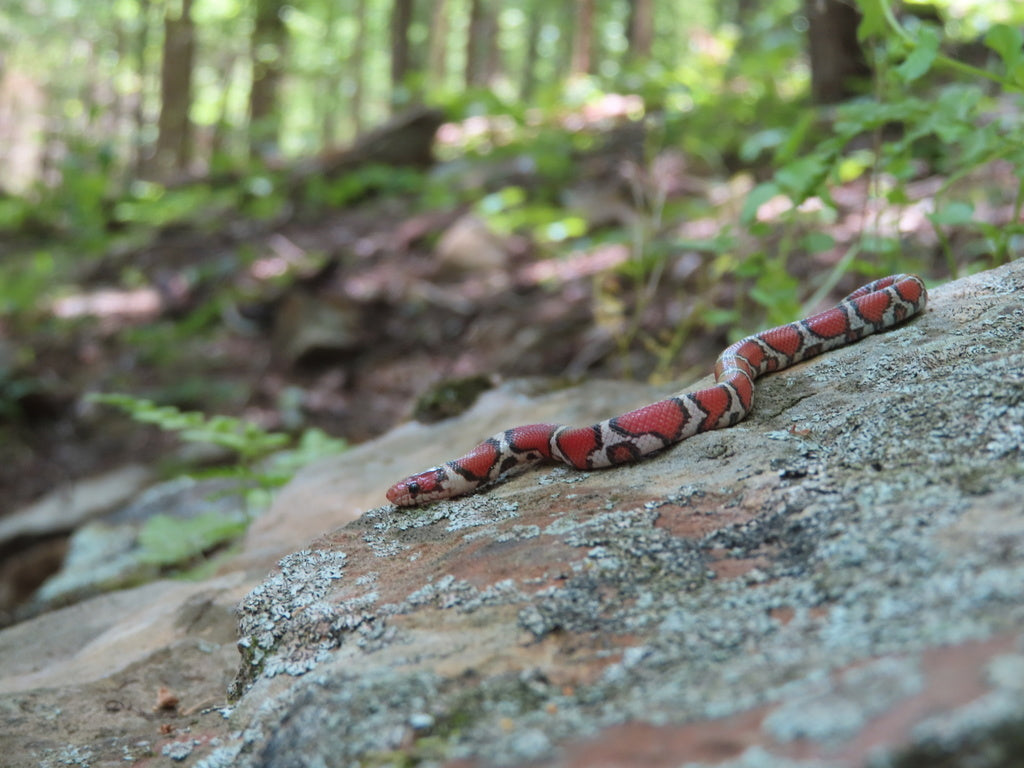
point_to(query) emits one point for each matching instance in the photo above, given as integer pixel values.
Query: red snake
(622, 439)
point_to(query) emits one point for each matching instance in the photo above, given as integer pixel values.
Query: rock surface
(836, 581)
(32, 539)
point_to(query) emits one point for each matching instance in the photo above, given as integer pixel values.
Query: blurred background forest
(323, 217)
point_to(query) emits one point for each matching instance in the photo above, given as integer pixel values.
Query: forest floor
(343, 323)
(338, 320)
(356, 318)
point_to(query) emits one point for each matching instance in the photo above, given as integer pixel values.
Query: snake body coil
(622, 439)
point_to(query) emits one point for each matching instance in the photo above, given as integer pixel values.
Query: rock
(406, 140)
(309, 329)
(172, 525)
(450, 397)
(68, 507)
(835, 581)
(33, 539)
(783, 588)
(335, 490)
(80, 685)
(468, 246)
(97, 639)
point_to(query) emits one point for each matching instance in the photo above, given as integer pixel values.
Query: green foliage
(78, 205)
(347, 188)
(166, 540)
(1008, 43)
(14, 213)
(151, 205)
(248, 440)
(508, 210)
(728, 92)
(916, 124)
(25, 281)
(13, 387)
(262, 464)
(313, 444)
(164, 342)
(264, 196)
(943, 129)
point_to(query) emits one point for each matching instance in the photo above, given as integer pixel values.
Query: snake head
(429, 485)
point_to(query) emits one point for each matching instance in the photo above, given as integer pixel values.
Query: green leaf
(758, 142)
(777, 291)
(800, 178)
(167, 540)
(872, 21)
(863, 115)
(716, 318)
(502, 200)
(751, 266)
(854, 164)
(759, 195)
(1008, 42)
(788, 149)
(922, 57)
(250, 440)
(558, 231)
(897, 194)
(817, 242)
(953, 214)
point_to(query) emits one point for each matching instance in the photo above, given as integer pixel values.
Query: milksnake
(622, 439)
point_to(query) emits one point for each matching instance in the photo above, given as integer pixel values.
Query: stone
(468, 246)
(173, 524)
(33, 540)
(68, 507)
(836, 581)
(309, 329)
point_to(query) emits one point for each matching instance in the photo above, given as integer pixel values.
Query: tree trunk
(221, 144)
(480, 44)
(528, 83)
(583, 38)
(437, 43)
(138, 111)
(357, 65)
(401, 20)
(267, 52)
(837, 61)
(492, 61)
(330, 108)
(641, 29)
(173, 144)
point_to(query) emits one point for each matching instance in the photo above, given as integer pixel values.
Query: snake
(622, 439)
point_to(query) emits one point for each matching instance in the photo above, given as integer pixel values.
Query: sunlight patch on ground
(577, 264)
(500, 129)
(138, 303)
(286, 257)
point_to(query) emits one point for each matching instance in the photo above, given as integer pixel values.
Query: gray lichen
(861, 569)
(290, 605)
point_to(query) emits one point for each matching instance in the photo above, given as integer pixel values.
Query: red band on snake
(622, 439)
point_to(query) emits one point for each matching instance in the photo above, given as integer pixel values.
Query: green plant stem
(641, 231)
(1002, 245)
(959, 66)
(831, 279)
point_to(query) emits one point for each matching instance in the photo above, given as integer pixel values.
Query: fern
(263, 464)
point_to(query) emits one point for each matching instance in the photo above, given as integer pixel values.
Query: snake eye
(414, 489)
